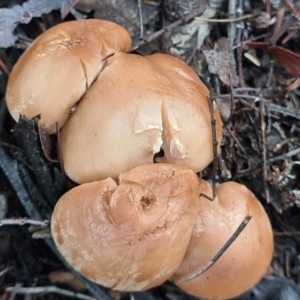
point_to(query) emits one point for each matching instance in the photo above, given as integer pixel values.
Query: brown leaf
(11, 17)
(287, 59)
(221, 62)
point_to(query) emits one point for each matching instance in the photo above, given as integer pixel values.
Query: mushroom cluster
(135, 130)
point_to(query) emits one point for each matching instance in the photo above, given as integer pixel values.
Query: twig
(248, 89)
(20, 46)
(14, 290)
(270, 106)
(283, 110)
(4, 67)
(225, 172)
(274, 38)
(215, 147)
(235, 139)
(220, 253)
(5, 271)
(25, 38)
(287, 264)
(24, 221)
(59, 152)
(47, 289)
(231, 27)
(168, 28)
(240, 66)
(292, 9)
(286, 233)
(290, 35)
(279, 145)
(284, 156)
(263, 149)
(139, 3)
(190, 58)
(246, 96)
(225, 20)
(215, 142)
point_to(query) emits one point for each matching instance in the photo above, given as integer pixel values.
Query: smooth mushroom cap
(60, 65)
(132, 235)
(136, 107)
(178, 143)
(248, 257)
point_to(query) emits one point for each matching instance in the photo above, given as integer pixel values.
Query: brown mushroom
(60, 65)
(129, 107)
(245, 261)
(132, 235)
(136, 107)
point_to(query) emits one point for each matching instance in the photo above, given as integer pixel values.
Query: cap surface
(247, 258)
(132, 235)
(61, 64)
(136, 107)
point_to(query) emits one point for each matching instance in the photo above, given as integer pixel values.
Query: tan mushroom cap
(248, 257)
(132, 235)
(138, 106)
(60, 65)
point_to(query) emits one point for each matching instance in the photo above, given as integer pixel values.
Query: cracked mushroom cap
(131, 235)
(59, 66)
(138, 107)
(245, 261)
